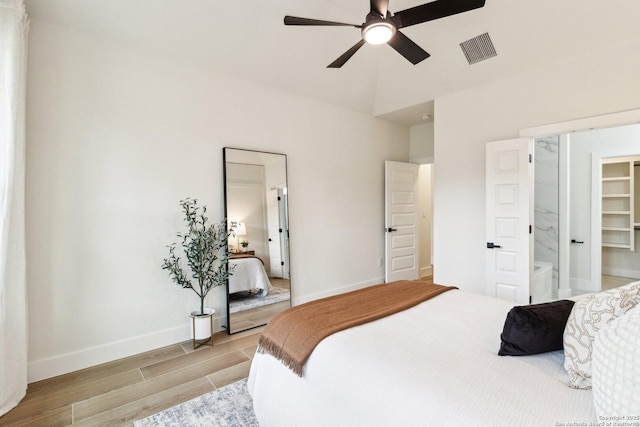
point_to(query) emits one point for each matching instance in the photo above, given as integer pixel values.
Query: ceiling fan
(381, 26)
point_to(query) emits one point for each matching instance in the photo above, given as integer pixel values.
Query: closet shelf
(617, 178)
(615, 245)
(619, 206)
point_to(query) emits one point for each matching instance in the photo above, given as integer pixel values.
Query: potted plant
(206, 263)
(244, 245)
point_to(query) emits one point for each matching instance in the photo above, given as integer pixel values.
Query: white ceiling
(249, 40)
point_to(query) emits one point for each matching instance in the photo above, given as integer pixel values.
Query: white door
(401, 221)
(509, 206)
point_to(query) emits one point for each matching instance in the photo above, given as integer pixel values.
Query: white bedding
(435, 364)
(248, 275)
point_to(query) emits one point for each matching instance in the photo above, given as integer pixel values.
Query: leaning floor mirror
(256, 204)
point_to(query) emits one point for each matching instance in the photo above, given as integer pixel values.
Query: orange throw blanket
(292, 334)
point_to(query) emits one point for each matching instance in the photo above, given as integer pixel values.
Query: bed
(433, 364)
(249, 275)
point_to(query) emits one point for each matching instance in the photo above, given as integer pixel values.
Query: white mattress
(433, 364)
(248, 275)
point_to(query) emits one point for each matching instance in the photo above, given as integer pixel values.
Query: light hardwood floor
(120, 392)
(611, 282)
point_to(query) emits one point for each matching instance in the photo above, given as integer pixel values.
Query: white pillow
(616, 367)
(587, 317)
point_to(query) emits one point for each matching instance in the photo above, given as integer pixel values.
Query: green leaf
(205, 250)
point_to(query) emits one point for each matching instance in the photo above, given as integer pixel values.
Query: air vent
(478, 48)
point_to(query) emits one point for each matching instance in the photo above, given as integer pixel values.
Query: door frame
(610, 120)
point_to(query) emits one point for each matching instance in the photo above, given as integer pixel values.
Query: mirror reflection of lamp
(240, 230)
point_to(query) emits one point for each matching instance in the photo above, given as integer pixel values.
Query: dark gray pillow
(536, 328)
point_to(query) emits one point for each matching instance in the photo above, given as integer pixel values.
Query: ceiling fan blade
(380, 7)
(407, 48)
(345, 56)
(294, 20)
(434, 10)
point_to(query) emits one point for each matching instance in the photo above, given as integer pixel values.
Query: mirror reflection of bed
(256, 204)
(254, 297)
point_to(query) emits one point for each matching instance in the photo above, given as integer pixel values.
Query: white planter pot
(202, 324)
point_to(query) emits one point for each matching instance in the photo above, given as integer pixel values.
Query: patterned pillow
(587, 317)
(616, 367)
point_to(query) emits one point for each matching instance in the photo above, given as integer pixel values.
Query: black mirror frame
(226, 215)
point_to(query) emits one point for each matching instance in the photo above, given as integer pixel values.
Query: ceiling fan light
(378, 33)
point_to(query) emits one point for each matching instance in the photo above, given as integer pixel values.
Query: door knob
(490, 245)
(390, 230)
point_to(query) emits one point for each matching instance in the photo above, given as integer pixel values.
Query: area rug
(228, 406)
(240, 302)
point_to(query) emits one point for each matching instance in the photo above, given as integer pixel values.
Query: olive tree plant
(205, 250)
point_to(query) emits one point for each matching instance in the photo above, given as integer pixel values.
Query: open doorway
(546, 218)
(425, 203)
(587, 213)
(421, 152)
(620, 191)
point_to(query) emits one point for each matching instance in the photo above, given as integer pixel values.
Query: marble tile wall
(546, 203)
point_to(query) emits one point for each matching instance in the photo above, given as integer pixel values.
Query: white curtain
(13, 306)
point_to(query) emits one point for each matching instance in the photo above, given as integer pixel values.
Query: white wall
(421, 143)
(602, 83)
(117, 136)
(247, 203)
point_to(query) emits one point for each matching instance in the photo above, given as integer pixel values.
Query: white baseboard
(565, 293)
(62, 364)
(336, 291)
(573, 292)
(583, 284)
(620, 272)
(426, 271)
(85, 358)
